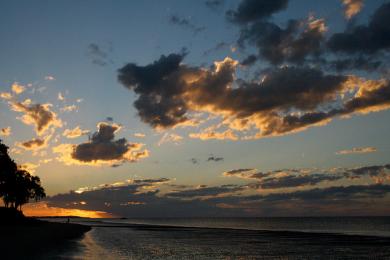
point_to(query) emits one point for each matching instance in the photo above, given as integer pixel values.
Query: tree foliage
(17, 186)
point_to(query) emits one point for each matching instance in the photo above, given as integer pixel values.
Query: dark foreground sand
(34, 239)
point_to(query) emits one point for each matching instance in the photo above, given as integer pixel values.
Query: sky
(199, 108)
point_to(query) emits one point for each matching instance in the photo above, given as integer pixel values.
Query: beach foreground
(29, 238)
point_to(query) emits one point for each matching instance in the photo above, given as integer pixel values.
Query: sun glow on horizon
(41, 209)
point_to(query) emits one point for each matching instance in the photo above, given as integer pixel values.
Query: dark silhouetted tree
(17, 186)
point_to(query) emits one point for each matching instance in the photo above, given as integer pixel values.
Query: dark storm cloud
(319, 195)
(370, 100)
(291, 181)
(102, 145)
(249, 60)
(206, 191)
(288, 178)
(292, 178)
(103, 148)
(164, 91)
(185, 23)
(159, 102)
(358, 63)
(303, 41)
(365, 39)
(371, 171)
(333, 193)
(253, 10)
(168, 89)
(300, 39)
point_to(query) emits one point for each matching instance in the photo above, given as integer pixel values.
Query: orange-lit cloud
(75, 132)
(69, 108)
(170, 138)
(255, 109)
(30, 167)
(139, 135)
(6, 131)
(17, 88)
(39, 115)
(101, 149)
(357, 150)
(352, 7)
(5, 95)
(206, 135)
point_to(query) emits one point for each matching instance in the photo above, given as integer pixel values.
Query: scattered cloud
(301, 39)
(357, 150)
(17, 88)
(170, 138)
(6, 131)
(5, 95)
(185, 23)
(194, 161)
(30, 167)
(298, 178)
(254, 10)
(365, 39)
(219, 46)
(352, 7)
(140, 135)
(34, 144)
(69, 108)
(101, 149)
(39, 115)
(205, 191)
(100, 54)
(49, 78)
(215, 158)
(75, 132)
(60, 96)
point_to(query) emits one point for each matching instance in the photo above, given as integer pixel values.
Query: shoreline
(166, 227)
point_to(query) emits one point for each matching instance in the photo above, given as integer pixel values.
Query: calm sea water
(234, 238)
(377, 226)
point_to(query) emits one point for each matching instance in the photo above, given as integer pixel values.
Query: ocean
(232, 238)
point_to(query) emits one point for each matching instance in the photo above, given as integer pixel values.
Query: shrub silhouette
(17, 186)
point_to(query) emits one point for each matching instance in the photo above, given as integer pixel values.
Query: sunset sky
(199, 108)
